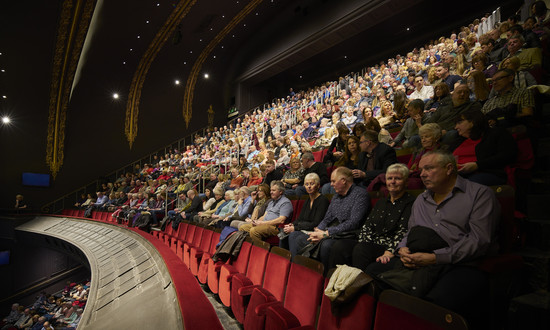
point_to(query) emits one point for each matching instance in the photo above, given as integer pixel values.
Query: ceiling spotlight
(177, 82)
(6, 120)
(139, 37)
(206, 76)
(184, 62)
(214, 56)
(146, 22)
(4, 97)
(115, 96)
(158, 4)
(408, 29)
(3, 70)
(131, 49)
(124, 63)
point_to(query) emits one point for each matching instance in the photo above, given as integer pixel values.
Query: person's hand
(385, 258)
(418, 120)
(468, 168)
(358, 174)
(337, 153)
(392, 144)
(294, 186)
(288, 228)
(417, 260)
(255, 222)
(317, 235)
(248, 220)
(492, 123)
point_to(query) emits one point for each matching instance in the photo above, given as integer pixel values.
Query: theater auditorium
(274, 164)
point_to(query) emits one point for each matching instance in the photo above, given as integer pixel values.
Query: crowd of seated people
(449, 103)
(62, 310)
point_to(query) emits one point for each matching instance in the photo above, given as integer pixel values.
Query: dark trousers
(352, 253)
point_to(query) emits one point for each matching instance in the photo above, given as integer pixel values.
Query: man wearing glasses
(374, 159)
(510, 103)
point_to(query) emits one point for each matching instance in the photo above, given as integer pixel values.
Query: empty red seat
(396, 310)
(195, 242)
(227, 271)
(277, 263)
(214, 268)
(358, 314)
(197, 253)
(187, 238)
(273, 289)
(302, 297)
(206, 258)
(254, 275)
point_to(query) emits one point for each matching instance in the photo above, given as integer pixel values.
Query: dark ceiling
(280, 44)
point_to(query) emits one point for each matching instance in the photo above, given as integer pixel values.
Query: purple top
(466, 219)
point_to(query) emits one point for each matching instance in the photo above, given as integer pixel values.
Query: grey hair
(280, 186)
(399, 168)
(314, 177)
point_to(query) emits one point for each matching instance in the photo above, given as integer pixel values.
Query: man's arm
(483, 219)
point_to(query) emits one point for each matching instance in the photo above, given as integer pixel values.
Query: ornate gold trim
(192, 79)
(134, 96)
(73, 25)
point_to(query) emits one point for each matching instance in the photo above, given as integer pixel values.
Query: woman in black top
(312, 213)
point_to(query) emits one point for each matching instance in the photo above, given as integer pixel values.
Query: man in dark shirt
(374, 159)
(272, 173)
(442, 71)
(310, 166)
(346, 213)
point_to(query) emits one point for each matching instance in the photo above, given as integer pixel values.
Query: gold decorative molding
(73, 26)
(134, 96)
(192, 79)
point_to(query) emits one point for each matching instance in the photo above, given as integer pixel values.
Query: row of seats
(256, 284)
(266, 290)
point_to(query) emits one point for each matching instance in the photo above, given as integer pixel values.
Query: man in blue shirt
(278, 210)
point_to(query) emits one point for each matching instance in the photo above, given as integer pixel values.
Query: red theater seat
(273, 289)
(196, 252)
(196, 242)
(206, 258)
(358, 314)
(254, 276)
(302, 297)
(240, 265)
(396, 310)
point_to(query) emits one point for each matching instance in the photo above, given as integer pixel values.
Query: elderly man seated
(278, 210)
(346, 213)
(452, 223)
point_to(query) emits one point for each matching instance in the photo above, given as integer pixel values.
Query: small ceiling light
(6, 120)
(158, 4)
(214, 56)
(3, 70)
(115, 96)
(177, 82)
(257, 14)
(200, 39)
(184, 62)
(139, 37)
(244, 24)
(131, 49)
(345, 56)
(190, 52)
(408, 29)
(300, 77)
(206, 76)
(4, 97)
(233, 36)
(0, 54)
(124, 62)
(146, 22)
(223, 16)
(211, 29)
(222, 46)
